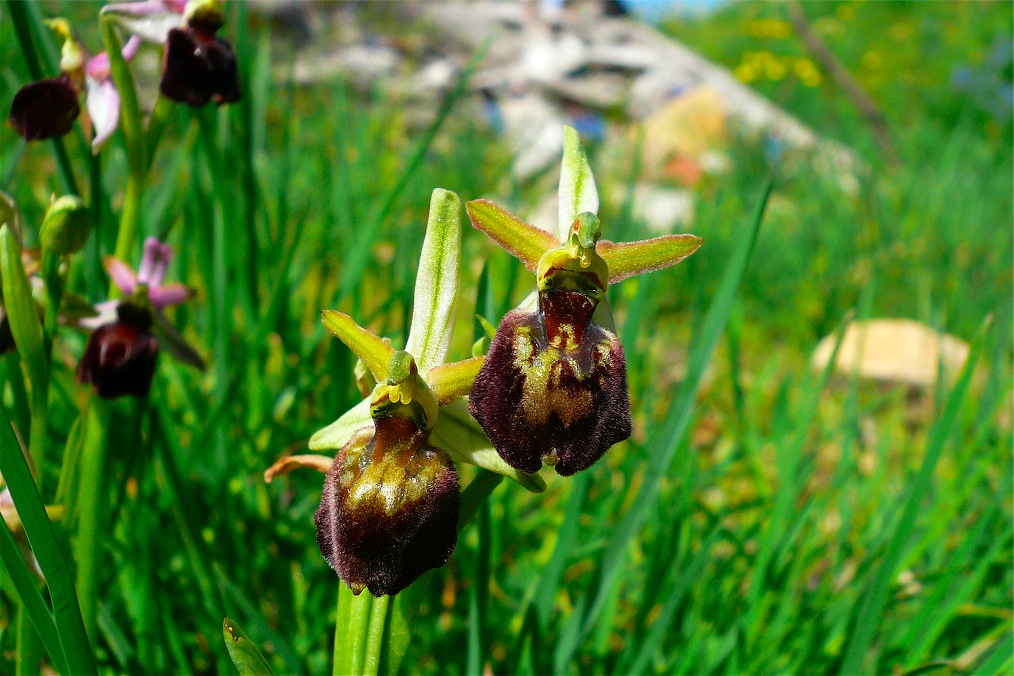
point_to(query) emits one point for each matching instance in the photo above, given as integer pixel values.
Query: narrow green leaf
(40, 533)
(577, 184)
(457, 433)
(397, 636)
(521, 240)
(453, 380)
(28, 591)
(436, 283)
(337, 434)
(627, 259)
(875, 598)
(372, 349)
(243, 652)
(666, 441)
(22, 312)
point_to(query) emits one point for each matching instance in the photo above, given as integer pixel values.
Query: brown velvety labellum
(389, 511)
(45, 109)
(539, 402)
(120, 359)
(198, 68)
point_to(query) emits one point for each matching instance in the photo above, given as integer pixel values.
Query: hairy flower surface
(553, 388)
(389, 509)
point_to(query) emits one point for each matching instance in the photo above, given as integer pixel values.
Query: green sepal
(337, 434)
(459, 435)
(523, 241)
(626, 259)
(242, 651)
(451, 380)
(22, 312)
(436, 282)
(372, 349)
(578, 193)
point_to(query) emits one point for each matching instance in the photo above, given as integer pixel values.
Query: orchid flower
(198, 67)
(121, 353)
(390, 502)
(553, 387)
(48, 108)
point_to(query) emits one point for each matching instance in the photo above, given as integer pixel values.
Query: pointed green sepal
(523, 241)
(337, 434)
(436, 283)
(452, 380)
(242, 651)
(369, 347)
(22, 312)
(457, 434)
(626, 259)
(577, 184)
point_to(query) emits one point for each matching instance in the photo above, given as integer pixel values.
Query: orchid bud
(553, 388)
(120, 357)
(66, 227)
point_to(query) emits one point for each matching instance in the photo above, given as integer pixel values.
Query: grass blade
(875, 599)
(666, 441)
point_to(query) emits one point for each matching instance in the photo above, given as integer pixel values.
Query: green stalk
(139, 157)
(92, 509)
(375, 635)
(352, 640)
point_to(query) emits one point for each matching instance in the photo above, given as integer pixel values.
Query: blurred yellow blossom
(807, 71)
(872, 59)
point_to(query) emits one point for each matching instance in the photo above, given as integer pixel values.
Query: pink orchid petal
(103, 102)
(98, 66)
(130, 49)
(106, 315)
(169, 294)
(154, 263)
(121, 274)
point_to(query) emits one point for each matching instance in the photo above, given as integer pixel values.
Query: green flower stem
(92, 512)
(140, 150)
(129, 216)
(375, 635)
(350, 630)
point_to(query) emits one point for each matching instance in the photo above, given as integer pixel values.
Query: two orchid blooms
(197, 67)
(550, 391)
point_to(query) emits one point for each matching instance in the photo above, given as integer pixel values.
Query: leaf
(460, 436)
(372, 349)
(436, 283)
(627, 259)
(243, 652)
(665, 442)
(22, 312)
(336, 435)
(577, 184)
(66, 611)
(452, 380)
(521, 240)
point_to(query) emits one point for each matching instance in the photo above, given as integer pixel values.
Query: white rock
(894, 351)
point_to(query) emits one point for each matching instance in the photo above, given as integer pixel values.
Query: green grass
(764, 518)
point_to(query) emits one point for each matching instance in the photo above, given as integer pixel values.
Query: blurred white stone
(894, 351)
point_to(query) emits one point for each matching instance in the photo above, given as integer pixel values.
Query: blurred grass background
(797, 527)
